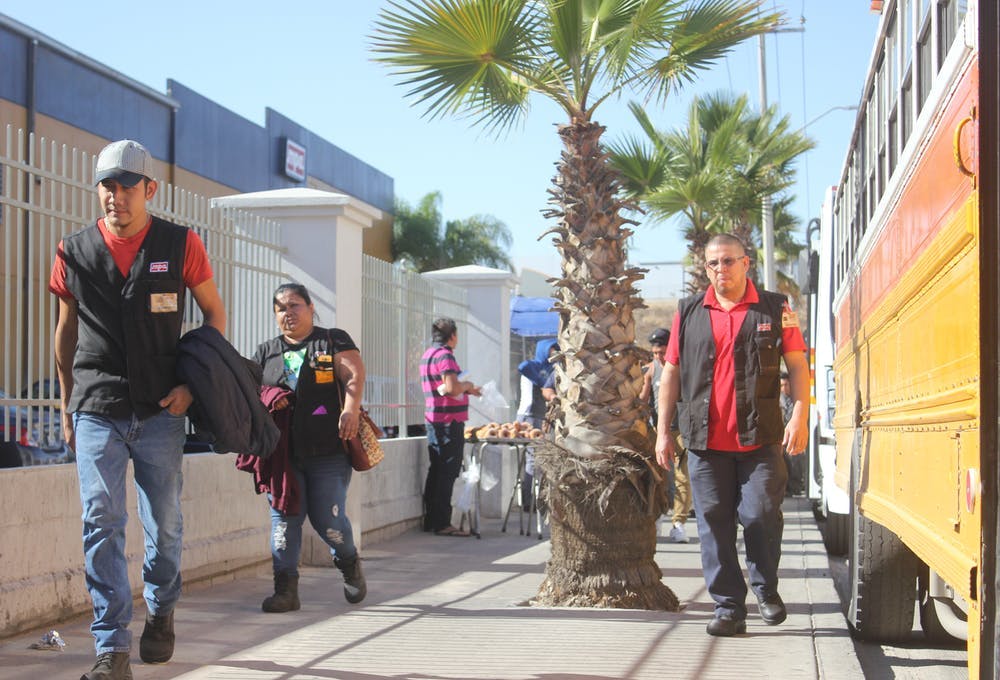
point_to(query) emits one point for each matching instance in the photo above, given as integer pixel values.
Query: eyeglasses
(727, 262)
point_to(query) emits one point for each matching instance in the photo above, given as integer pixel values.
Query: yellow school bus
(914, 274)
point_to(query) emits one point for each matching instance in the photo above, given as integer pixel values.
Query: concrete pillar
(487, 357)
(487, 338)
(322, 238)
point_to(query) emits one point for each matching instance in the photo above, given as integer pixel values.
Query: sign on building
(295, 160)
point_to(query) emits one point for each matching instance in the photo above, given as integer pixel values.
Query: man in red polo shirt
(721, 376)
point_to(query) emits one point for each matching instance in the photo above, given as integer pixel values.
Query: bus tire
(883, 574)
(817, 510)
(836, 533)
(934, 631)
(883, 584)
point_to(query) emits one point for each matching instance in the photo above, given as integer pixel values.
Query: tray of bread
(503, 433)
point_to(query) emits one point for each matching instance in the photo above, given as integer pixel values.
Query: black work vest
(756, 355)
(317, 405)
(128, 326)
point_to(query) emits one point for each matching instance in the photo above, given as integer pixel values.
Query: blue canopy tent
(531, 320)
(531, 317)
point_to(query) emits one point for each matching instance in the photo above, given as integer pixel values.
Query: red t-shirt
(197, 268)
(723, 433)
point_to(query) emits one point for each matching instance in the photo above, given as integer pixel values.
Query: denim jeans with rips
(323, 486)
(103, 448)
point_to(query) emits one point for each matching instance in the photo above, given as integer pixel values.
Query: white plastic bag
(490, 396)
(464, 492)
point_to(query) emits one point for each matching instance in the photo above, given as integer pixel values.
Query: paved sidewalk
(442, 607)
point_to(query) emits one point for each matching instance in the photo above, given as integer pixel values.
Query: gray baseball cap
(124, 161)
(659, 336)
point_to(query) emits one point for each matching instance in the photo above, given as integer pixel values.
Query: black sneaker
(110, 666)
(157, 642)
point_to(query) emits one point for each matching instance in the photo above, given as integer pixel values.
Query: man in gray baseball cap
(121, 284)
(124, 161)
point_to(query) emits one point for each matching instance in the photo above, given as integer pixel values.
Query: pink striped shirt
(436, 362)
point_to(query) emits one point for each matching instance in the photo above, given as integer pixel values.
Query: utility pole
(766, 208)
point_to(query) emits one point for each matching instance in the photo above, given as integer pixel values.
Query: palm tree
(416, 233)
(786, 248)
(420, 243)
(483, 59)
(480, 239)
(715, 173)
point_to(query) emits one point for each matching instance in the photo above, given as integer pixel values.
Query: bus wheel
(817, 509)
(883, 583)
(836, 532)
(930, 621)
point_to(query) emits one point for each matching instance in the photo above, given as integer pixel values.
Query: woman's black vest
(756, 355)
(317, 405)
(128, 326)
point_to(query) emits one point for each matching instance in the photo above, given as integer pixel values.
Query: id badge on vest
(162, 303)
(322, 365)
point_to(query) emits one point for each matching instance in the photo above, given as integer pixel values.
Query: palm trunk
(603, 489)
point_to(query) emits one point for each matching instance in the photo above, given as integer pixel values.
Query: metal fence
(399, 308)
(46, 192)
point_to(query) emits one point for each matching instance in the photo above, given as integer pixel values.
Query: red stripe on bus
(934, 192)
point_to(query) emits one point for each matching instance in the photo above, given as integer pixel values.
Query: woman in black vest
(313, 382)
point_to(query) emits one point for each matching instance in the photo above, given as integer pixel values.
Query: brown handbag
(364, 448)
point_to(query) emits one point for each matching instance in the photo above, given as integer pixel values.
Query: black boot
(157, 642)
(286, 594)
(110, 666)
(355, 587)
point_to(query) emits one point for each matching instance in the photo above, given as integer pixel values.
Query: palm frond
(643, 167)
(460, 57)
(706, 32)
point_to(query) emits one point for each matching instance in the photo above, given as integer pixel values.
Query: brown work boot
(110, 666)
(157, 642)
(286, 594)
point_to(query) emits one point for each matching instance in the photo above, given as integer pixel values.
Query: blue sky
(311, 61)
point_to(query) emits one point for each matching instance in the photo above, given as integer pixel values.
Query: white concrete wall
(226, 528)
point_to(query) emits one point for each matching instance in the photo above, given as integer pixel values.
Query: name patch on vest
(789, 319)
(162, 303)
(159, 267)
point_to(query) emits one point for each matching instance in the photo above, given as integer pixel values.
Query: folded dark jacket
(226, 390)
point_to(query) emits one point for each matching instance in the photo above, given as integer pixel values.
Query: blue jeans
(323, 486)
(446, 446)
(747, 487)
(103, 448)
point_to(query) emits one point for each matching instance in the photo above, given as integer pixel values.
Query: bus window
(924, 66)
(892, 133)
(906, 111)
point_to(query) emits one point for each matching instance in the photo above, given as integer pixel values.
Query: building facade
(55, 92)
